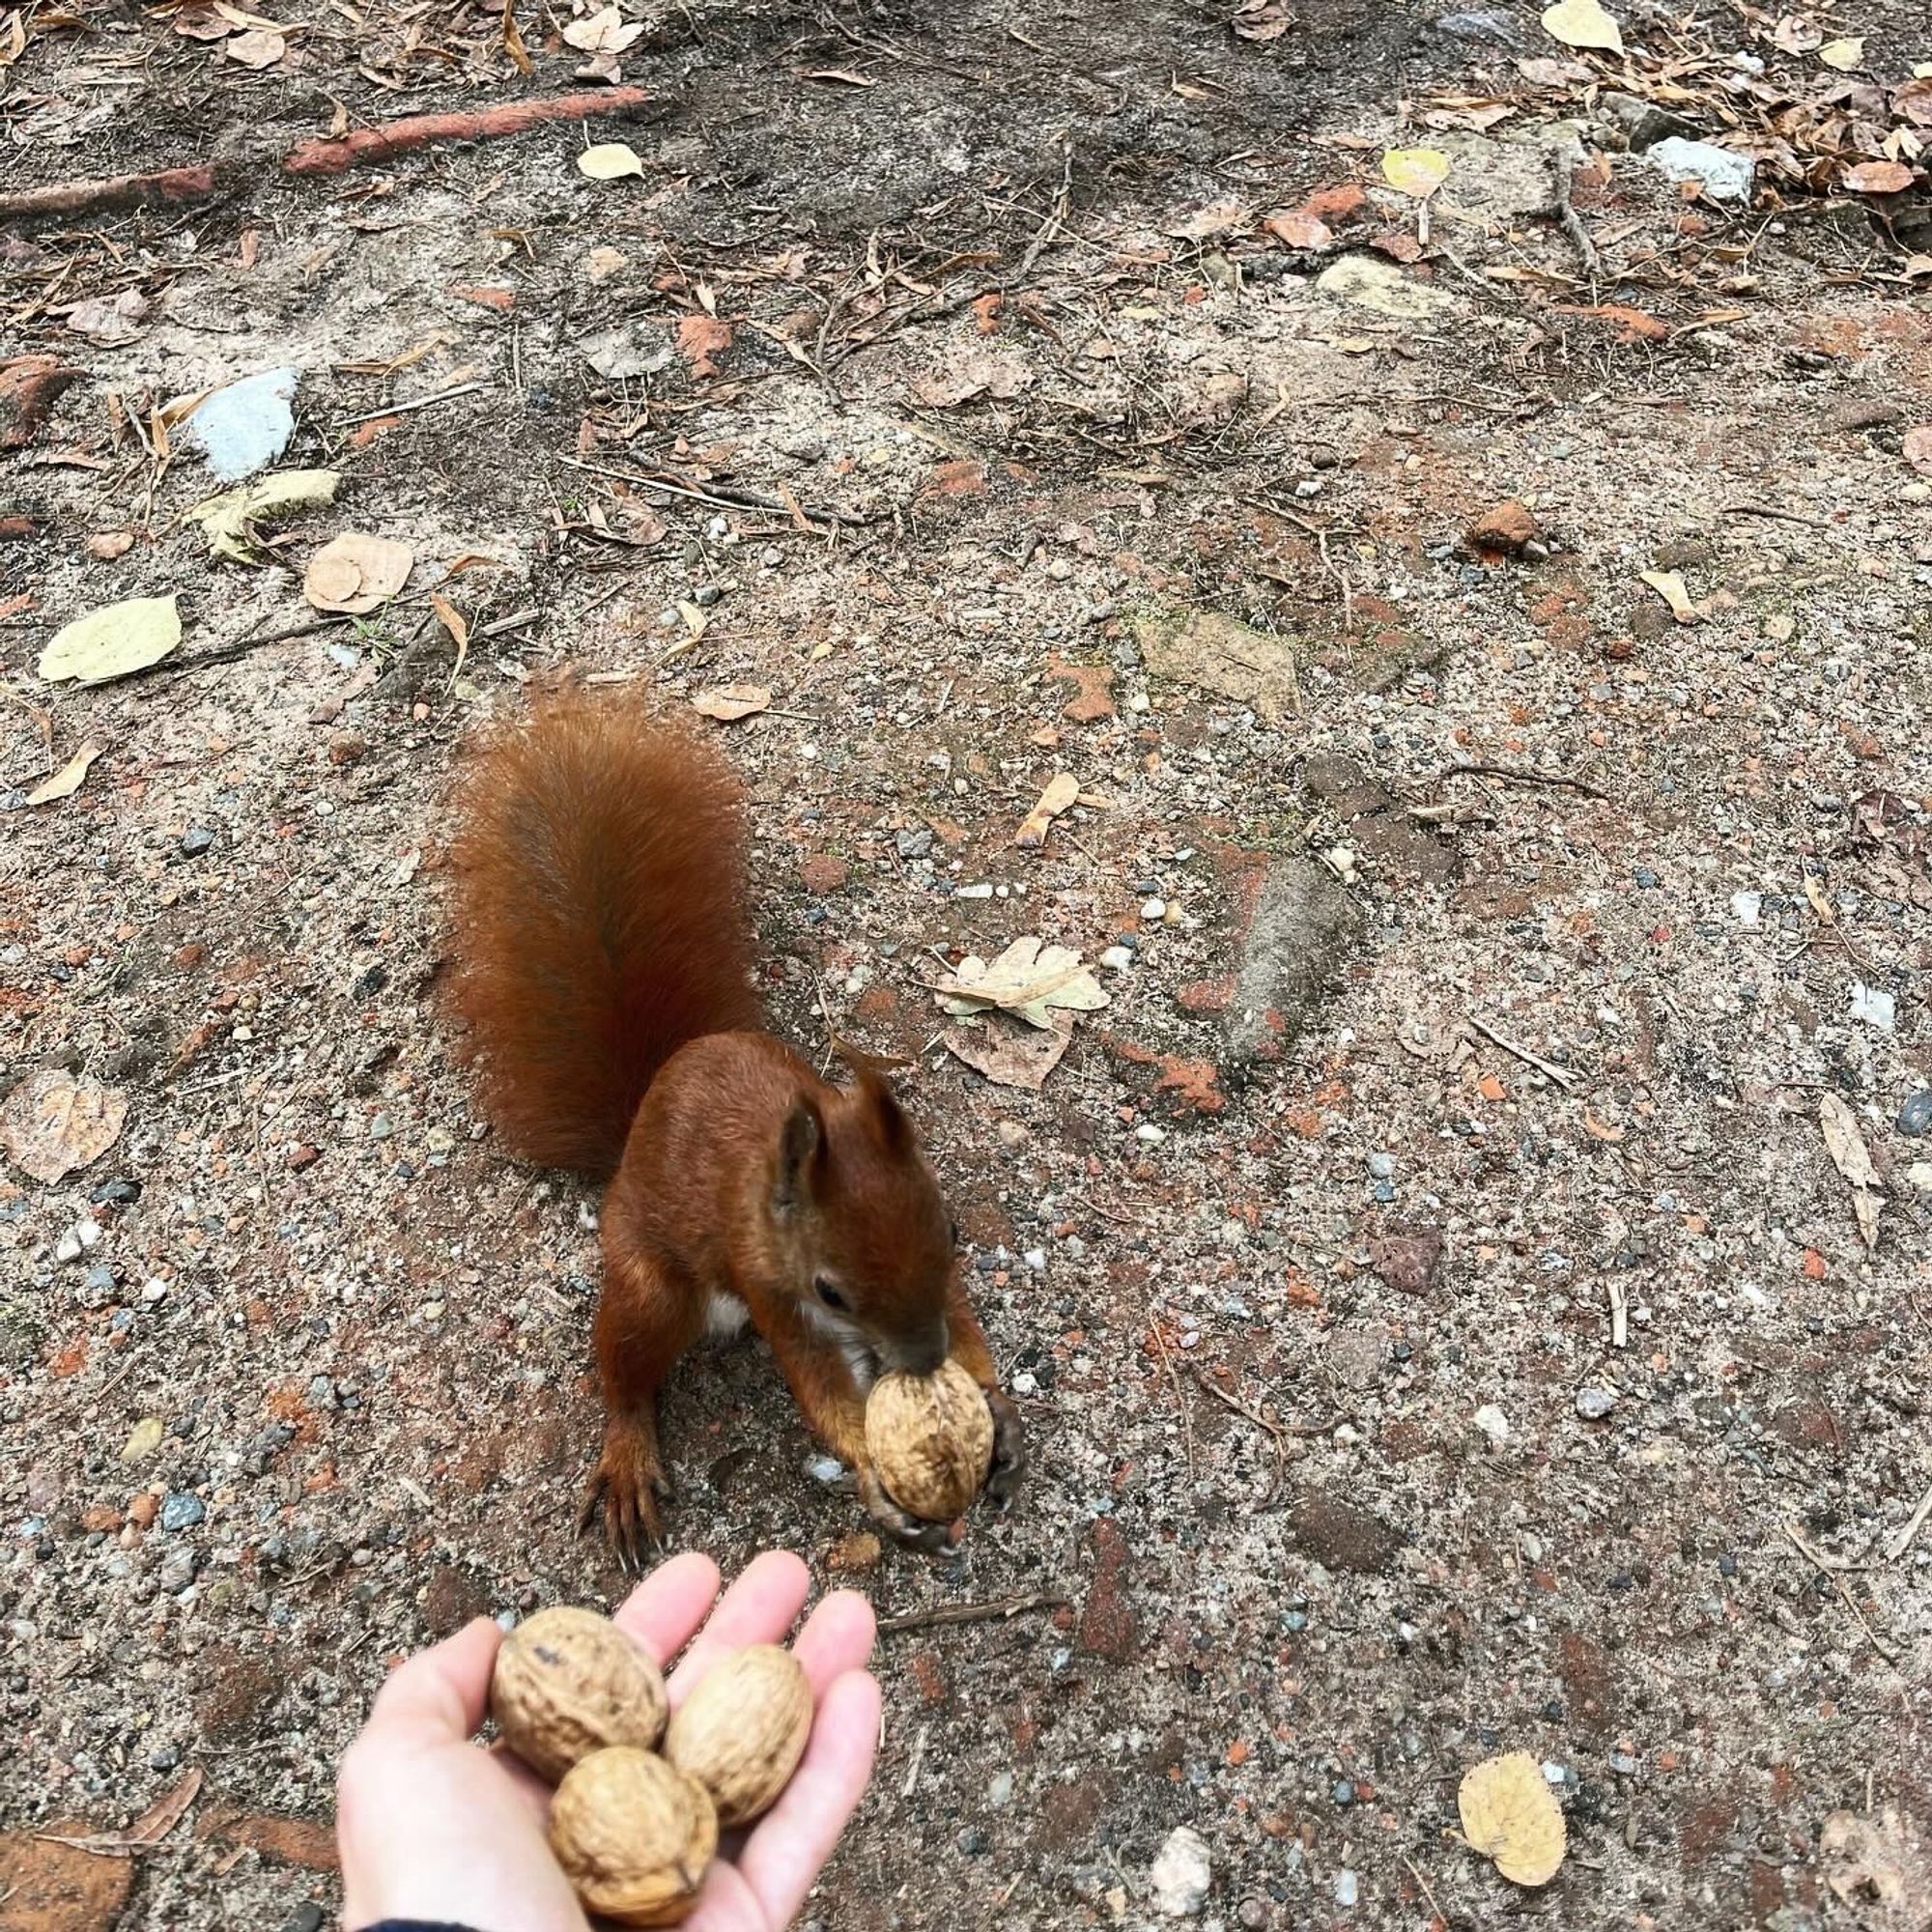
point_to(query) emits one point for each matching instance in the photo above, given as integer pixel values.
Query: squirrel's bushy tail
(599, 920)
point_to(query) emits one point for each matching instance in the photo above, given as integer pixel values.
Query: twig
(382, 142)
(390, 138)
(1573, 223)
(736, 500)
(1511, 774)
(241, 647)
(1063, 204)
(1254, 1415)
(421, 403)
(1562, 1075)
(995, 1611)
(1179, 1399)
(1772, 511)
(1434, 1904)
(90, 197)
(1903, 1541)
(1823, 1569)
(917, 1759)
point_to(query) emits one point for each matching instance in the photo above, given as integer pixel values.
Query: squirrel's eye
(829, 1293)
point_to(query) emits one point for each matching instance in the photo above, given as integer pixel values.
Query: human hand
(431, 1828)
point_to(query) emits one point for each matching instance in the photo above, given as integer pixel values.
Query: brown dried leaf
(1007, 1056)
(1061, 789)
(65, 781)
(355, 572)
(55, 1123)
(1878, 177)
(1846, 1146)
(729, 702)
(1295, 230)
(1510, 1814)
(700, 340)
(1917, 447)
(257, 47)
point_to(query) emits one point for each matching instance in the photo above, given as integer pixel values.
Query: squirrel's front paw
(625, 1489)
(1009, 1457)
(897, 1524)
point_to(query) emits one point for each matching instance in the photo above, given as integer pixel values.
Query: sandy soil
(1441, 1323)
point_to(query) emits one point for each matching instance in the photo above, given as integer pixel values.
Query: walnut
(743, 1729)
(931, 1438)
(634, 1836)
(569, 1682)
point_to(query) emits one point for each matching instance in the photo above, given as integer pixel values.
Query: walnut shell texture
(634, 1836)
(743, 1729)
(931, 1438)
(569, 1682)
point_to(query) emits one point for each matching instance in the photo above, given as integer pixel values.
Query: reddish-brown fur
(599, 919)
(604, 968)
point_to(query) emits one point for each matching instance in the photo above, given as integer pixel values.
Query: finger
(664, 1612)
(837, 1637)
(759, 1607)
(440, 1695)
(781, 1857)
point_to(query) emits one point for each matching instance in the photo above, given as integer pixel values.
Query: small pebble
(196, 840)
(305, 1917)
(974, 1842)
(1148, 1132)
(1914, 1113)
(1383, 1166)
(1117, 958)
(1153, 911)
(1346, 1889)
(183, 1511)
(1593, 1404)
(1344, 1792)
(1494, 1423)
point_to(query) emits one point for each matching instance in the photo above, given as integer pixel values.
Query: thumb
(439, 1696)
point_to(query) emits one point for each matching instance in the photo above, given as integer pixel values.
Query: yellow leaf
(1669, 586)
(728, 703)
(453, 620)
(1844, 55)
(1583, 23)
(1510, 1814)
(1062, 791)
(610, 160)
(113, 640)
(65, 781)
(1417, 172)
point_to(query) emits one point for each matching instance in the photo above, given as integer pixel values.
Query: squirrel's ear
(895, 1133)
(799, 1147)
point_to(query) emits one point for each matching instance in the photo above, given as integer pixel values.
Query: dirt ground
(1443, 1322)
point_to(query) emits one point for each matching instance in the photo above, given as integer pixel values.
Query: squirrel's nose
(923, 1354)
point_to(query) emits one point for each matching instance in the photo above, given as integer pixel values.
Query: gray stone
(183, 1511)
(1593, 1404)
(1723, 174)
(1305, 929)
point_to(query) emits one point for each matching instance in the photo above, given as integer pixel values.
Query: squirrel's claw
(1010, 1457)
(624, 1491)
(902, 1528)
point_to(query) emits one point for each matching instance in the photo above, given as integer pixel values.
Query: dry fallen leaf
(1061, 789)
(65, 781)
(729, 702)
(610, 160)
(700, 340)
(1669, 586)
(148, 1830)
(1218, 217)
(257, 47)
(1009, 1057)
(109, 319)
(1583, 23)
(1299, 231)
(1416, 171)
(1511, 1815)
(54, 1122)
(232, 518)
(1878, 177)
(1844, 55)
(1869, 1861)
(113, 640)
(1027, 979)
(1846, 1146)
(201, 23)
(1796, 33)
(604, 32)
(355, 572)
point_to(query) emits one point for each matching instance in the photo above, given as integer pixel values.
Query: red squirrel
(604, 959)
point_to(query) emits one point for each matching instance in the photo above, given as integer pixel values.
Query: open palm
(431, 1828)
